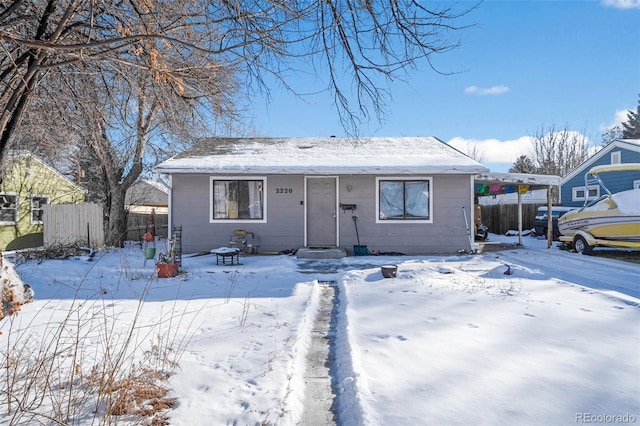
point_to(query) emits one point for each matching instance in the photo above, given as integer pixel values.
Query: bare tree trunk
(117, 224)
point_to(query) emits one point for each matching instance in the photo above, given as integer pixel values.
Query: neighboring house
(145, 196)
(408, 195)
(144, 199)
(574, 192)
(28, 185)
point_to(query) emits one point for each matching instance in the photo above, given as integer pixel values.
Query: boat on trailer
(611, 220)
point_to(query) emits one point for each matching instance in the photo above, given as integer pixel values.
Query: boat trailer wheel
(581, 246)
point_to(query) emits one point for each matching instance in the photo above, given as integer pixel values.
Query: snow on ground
(451, 340)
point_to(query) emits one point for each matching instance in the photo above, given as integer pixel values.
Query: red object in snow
(148, 237)
(167, 270)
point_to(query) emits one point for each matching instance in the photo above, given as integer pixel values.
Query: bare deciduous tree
(126, 116)
(361, 39)
(557, 151)
(611, 135)
(134, 71)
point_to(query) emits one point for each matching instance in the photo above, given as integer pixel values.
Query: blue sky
(523, 65)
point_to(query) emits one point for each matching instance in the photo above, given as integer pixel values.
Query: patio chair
(245, 241)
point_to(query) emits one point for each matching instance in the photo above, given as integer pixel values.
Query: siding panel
(616, 182)
(284, 228)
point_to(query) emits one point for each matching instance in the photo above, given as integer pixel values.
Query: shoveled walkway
(319, 396)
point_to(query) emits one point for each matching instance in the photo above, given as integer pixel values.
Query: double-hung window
(407, 200)
(8, 208)
(238, 199)
(37, 203)
(580, 193)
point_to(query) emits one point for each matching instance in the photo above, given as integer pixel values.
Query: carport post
(519, 219)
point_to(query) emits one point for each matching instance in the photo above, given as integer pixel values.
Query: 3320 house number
(284, 190)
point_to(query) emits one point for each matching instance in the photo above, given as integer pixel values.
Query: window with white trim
(237, 199)
(636, 184)
(37, 203)
(8, 208)
(616, 157)
(406, 200)
(580, 193)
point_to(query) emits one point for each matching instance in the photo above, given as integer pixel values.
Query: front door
(321, 212)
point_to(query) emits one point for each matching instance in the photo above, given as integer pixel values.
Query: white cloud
(495, 90)
(499, 155)
(495, 150)
(619, 117)
(622, 4)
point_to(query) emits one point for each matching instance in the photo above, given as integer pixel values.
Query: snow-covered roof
(147, 193)
(330, 155)
(519, 179)
(159, 185)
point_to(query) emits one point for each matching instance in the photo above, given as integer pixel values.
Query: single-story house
(28, 185)
(411, 195)
(146, 196)
(573, 188)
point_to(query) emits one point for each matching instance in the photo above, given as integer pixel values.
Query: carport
(518, 183)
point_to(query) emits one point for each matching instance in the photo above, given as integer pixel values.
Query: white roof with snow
(536, 181)
(331, 155)
(159, 185)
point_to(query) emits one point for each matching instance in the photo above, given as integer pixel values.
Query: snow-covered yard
(451, 340)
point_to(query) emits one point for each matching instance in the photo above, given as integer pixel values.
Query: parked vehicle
(541, 221)
(612, 220)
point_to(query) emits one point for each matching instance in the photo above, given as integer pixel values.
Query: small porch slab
(320, 253)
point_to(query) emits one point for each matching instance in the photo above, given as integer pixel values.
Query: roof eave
(452, 169)
(519, 178)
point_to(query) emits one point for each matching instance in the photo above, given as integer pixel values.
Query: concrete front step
(321, 253)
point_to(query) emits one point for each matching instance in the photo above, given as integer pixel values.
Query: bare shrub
(121, 375)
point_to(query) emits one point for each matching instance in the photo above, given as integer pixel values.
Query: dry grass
(120, 377)
(141, 394)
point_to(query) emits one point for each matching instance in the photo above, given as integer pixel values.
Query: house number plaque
(284, 190)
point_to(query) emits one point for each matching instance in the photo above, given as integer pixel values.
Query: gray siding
(285, 215)
(284, 228)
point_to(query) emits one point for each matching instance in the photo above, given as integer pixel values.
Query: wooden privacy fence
(501, 218)
(138, 224)
(66, 224)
